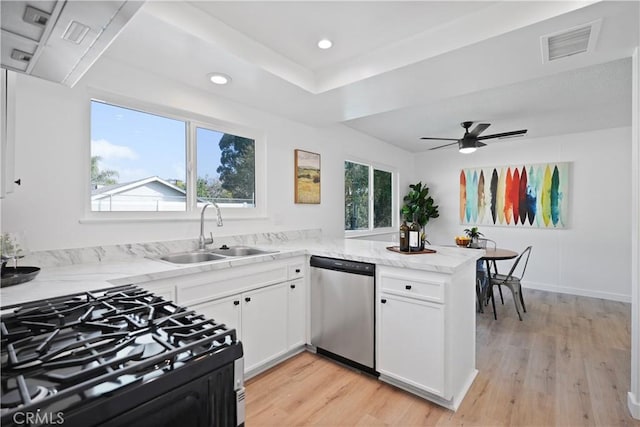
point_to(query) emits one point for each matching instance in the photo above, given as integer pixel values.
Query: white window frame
(370, 231)
(192, 120)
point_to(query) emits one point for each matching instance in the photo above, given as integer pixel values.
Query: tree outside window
(363, 212)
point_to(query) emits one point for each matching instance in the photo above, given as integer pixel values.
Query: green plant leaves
(418, 202)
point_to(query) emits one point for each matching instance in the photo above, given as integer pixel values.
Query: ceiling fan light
(467, 146)
(467, 150)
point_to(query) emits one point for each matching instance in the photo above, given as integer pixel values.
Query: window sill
(122, 220)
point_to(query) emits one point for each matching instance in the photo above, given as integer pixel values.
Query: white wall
(53, 150)
(591, 257)
(633, 399)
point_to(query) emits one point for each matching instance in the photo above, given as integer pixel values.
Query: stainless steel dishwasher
(342, 311)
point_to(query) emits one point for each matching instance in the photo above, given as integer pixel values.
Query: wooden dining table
(490, 257)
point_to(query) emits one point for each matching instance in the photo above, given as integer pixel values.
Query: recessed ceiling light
(325, 44)
(219, 78)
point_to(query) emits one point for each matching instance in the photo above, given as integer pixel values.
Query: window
(368, 197)
(139, 163)
(226, 168)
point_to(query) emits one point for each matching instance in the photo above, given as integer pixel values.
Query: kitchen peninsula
(424, 304)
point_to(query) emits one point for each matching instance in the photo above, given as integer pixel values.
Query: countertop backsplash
(110, 253)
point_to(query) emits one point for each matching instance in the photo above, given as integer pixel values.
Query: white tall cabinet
(426, 331)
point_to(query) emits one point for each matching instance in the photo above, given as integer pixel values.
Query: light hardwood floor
(566, 364)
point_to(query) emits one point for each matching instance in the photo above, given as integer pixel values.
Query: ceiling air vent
(570, 42)
(75, 32)
(36, 16)
(20, 55)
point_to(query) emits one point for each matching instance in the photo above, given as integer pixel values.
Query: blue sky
(139, 145)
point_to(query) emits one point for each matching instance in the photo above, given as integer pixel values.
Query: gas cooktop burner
(80, 347)
(13, 397)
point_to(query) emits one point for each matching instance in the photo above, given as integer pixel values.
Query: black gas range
(118, 357)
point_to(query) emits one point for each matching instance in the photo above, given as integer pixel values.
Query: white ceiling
(294, 28)
(398, 70)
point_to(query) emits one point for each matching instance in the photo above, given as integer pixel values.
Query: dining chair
(512, 281)
(483, 243)
(483, 288)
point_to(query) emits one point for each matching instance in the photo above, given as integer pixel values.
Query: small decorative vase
(474, 242)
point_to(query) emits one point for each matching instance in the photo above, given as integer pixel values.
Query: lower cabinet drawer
(295, 271)
(428, 290)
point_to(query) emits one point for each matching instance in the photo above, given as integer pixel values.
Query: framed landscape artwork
(535, 195)
(307, 177)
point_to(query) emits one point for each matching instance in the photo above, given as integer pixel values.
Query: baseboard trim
(576, 291)
(634, 405)
(451, 404)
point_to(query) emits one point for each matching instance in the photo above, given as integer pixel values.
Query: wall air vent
(580, 39)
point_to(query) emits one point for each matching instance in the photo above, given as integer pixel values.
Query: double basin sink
(206, 255)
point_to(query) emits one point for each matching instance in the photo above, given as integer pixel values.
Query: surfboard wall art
(535, 196)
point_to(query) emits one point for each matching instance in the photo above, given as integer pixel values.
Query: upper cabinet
(60, 40)
(7, 138)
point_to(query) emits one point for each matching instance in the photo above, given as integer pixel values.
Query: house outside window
(368, 198)
(147, 162)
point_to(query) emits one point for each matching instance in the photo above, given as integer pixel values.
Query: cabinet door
(7, 130)
(224, 310)
(411, 342)
(264, 324)
(297, 310)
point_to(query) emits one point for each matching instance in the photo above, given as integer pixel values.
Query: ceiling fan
(471, 140)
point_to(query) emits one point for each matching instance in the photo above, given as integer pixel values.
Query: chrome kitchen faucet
(204, 241)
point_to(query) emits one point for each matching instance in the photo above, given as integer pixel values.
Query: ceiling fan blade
(439, 139)
(442, 146)
(480, 144)
(481, 127)
(504, 135)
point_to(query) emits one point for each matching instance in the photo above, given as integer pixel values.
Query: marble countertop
(97, 271)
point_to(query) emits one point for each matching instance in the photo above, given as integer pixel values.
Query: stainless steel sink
(236, 251)
(213, 254)
(191, 257)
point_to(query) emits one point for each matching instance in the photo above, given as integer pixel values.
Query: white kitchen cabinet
(264, 325)
(266, 303)
(224, 310)
(412, 342)
(426, 331)
(7, 129)
(296, 313)
(261, 319)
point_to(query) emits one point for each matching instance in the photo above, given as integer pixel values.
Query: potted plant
(419, 207)
(473, 234)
